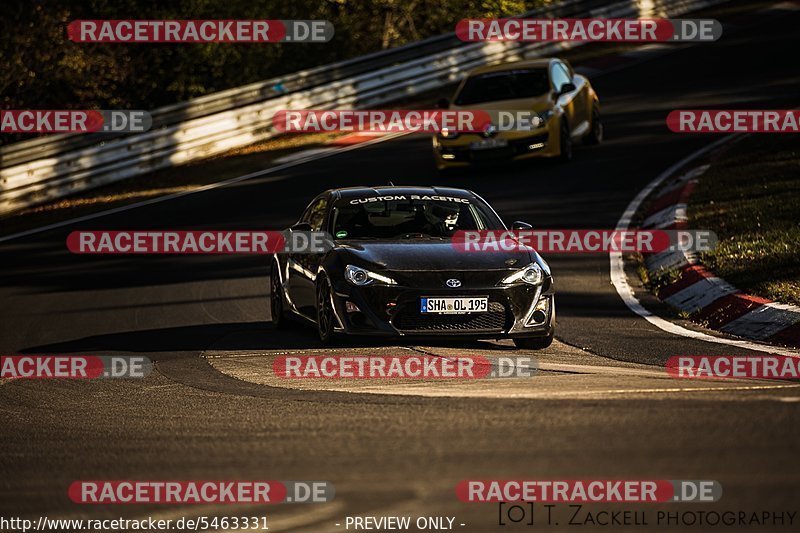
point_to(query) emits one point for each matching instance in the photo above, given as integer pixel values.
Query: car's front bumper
(460, 152)
(519, 310)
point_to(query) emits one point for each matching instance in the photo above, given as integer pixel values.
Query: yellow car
(563, 106)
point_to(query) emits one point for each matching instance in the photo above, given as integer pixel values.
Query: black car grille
(492, 321)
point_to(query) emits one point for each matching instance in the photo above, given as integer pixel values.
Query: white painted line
(210, 186)
(625, 291)
(764, 321)
(700, 294)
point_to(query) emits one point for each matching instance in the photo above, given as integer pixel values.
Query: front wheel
(534, 343)
(325, 316)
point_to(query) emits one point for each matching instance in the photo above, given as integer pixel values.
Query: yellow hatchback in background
(566, 104)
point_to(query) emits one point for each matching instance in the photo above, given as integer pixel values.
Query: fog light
(351, 307)
(448, 156)
(540, 312)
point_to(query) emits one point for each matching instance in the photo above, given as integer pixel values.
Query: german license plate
(489, 144)
(454, 306)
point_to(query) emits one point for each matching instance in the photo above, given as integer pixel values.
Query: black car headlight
(361, 276)
(531, 274)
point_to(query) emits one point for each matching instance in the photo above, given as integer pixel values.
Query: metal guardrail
(46, 168)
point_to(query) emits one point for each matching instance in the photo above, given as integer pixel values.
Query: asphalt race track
(600, 407)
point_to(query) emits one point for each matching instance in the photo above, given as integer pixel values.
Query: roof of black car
(387, 190)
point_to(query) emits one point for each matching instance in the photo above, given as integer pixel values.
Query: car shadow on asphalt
(237, 336)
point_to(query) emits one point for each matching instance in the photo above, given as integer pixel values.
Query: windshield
(412, 217)
(504, 85)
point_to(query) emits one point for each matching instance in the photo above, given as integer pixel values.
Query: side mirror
(443, 103)
(518, 224)
(301, 226)
(567, 88)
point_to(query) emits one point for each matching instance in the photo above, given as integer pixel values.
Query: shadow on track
(234, 336)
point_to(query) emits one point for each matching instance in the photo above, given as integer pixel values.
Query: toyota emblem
(453, 283)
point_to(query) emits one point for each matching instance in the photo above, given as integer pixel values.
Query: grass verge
(751, 198)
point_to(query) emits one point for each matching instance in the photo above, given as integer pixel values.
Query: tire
(595, 135)
(565, 144)
(324, 307)
(280, 318)
(534, 343)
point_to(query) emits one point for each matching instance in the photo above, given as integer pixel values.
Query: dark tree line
(41, 69)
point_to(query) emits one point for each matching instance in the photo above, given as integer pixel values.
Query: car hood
(430, 256)
(538, 104)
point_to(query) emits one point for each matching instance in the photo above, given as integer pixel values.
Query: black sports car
(393, 269)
